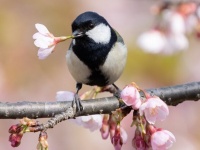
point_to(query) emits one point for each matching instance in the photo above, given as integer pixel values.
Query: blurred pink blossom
(162, 140)
(131, 96)
(152, 41)
(174, 21)
(91, 122)
(64, 96)
(169, 34)
(154, 109)
(198, 11)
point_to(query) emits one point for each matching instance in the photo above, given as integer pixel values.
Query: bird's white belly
(77, 68)
(115, 62)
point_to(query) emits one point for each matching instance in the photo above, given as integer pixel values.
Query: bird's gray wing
(119, 38)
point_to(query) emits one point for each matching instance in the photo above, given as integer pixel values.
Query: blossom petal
(37, 35)
(123, 135)
(41, 43)
(44, 53)
(137, 105)
(42, 29)
(86, 118)
(149, 117)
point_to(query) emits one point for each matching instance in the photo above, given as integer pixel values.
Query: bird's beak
(77, 34)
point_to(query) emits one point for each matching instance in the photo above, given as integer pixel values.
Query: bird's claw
(76, 101)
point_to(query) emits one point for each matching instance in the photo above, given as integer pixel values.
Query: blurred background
(24, 77)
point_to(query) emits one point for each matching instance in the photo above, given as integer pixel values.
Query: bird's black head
(87, 21)
(92, 26)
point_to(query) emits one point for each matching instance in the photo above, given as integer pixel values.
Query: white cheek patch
(100, 34)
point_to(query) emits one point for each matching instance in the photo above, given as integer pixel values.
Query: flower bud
(15, 139)
(131, 96)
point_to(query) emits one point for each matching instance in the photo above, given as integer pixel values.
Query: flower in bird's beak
(46, 41)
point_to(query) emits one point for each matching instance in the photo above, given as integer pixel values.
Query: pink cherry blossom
(131, 96)
(154, 109)
(162, 140)
(45, 41)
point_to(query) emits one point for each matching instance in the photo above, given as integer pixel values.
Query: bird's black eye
(91, 26)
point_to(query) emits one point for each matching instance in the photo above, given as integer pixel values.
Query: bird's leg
(118, 91)
(118, 95)
(76, 99)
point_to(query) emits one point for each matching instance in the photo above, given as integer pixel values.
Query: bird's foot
(77, 101)
(118, 94)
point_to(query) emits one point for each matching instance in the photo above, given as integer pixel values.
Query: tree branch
(172, 95)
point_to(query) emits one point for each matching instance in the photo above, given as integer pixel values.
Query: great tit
(97, 54)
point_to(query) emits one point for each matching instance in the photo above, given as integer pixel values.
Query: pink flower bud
(151, 129)
(105, 127)
(116, 140)
(154, 109)
(162, 139)
(15, 128)
(15, 139)
(131, 96)
(104, 131)
(119, 138)
(138, 141)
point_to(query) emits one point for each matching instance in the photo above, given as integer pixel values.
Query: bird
(97, 53)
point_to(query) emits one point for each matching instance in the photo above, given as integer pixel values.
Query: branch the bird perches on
(172, 95)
